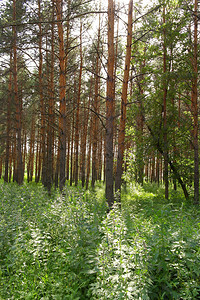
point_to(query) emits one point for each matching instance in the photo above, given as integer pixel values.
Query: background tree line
(85, 96)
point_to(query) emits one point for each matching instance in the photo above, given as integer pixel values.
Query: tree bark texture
(110, 106)
(195, 109)
(78, 112)
(8, 129)
(166, 180)
(121, 134)
(62, 95)
(51, 107)
(19, 173)
(95, 118)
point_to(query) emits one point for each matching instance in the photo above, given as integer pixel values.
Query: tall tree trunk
(50, 131)
(140, 128)
(68, 132)
(110, 106)
(37, 156)
(42, 107)
(195, 109)
(95, 118)
(158, 168)
(78, 112)
(121, 135)
(14, 157)
(68, 146)
(89, 156)
(30, 165)
(87, 113)
(100, 155)
(166, 180)
(19, 177)
(62, 95)
(8, 122)
(72, 138)
(25, 149)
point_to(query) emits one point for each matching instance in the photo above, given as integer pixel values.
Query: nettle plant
(121, 261)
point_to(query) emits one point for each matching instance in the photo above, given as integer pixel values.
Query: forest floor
(69, 247)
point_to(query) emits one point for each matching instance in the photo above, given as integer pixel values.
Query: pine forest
(99, 149)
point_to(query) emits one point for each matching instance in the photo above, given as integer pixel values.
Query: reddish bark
(110, 106)
(62, 95)
(78, 112)
(72, 139)
(85, 134)
(121, 134)
(89, 158)
(95, 117)
(51, 106)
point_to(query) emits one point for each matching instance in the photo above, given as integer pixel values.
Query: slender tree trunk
(57, 164)
(195, 108)
(153, 167)
(72, 138)
(115, 125)
(42, 106)
(19, 177)
(110, 106)
(30, 165)
(89, 158)
(100, 155)
(121, 135)
(14, 157)
(68, 132)
(10, 164)
(37, 157)
(50, 131)
(166, 180)
(157, 168)
(140, 129)
(86, 114)
(100, 132)
(104, 157)
(8, 122)
(78, 112)
(68, 147)
(62, 95)
(95, 118)
(24, 150)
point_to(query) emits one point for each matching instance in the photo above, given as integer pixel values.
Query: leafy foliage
(67, 247)
(47, 243)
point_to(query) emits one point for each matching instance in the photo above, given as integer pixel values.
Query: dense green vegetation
(69, 247)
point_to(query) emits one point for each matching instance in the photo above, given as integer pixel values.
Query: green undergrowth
(170, 233)
(47, 243)
(68, 247)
